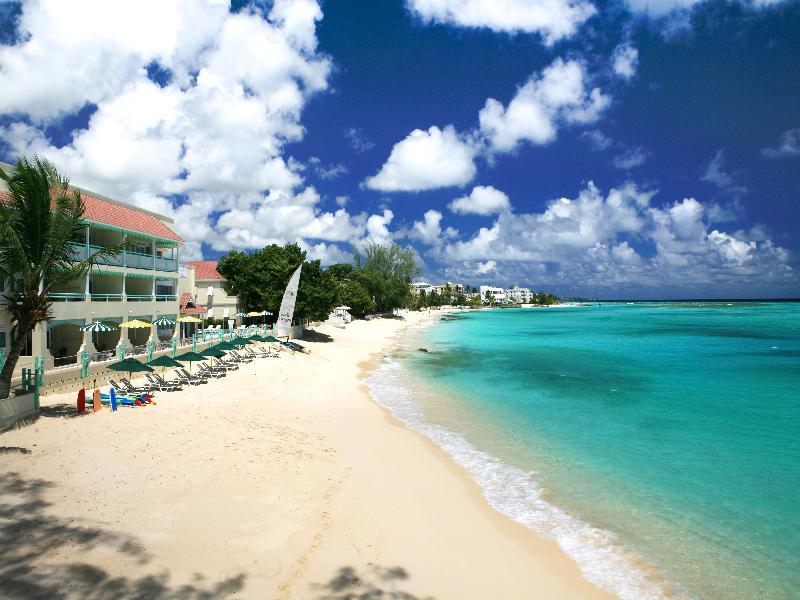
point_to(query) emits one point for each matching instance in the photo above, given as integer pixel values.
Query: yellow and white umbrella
(189, 319)
(135, 324)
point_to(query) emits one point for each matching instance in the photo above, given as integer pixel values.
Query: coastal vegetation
(259, 279)
(39, 218)
(378, 280)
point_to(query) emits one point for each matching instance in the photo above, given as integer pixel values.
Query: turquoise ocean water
(659, 444)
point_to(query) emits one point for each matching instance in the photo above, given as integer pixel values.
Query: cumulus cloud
(437, 158)
(483, 200)
(559, 95)
(788, 145)
(620, 239)
(552, 19)
(429, 231)
(204, 143)
(625, 60)
(425, 160)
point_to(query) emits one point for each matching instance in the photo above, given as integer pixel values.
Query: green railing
(139, 297)
(137, 260)
(116, 260)
(166, 298)
(106, 297)
(66, 296)
(166, 264)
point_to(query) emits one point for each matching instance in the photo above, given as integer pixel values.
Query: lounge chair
(188, 379)
(207, 372)
(164, 386)
(238, 357)
(128, 388)
(224, 365)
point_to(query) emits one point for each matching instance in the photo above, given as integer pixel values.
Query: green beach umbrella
(241, 342)
(129, 366)
(191, 357)
(272, 339)
(212, 351)
(164, 361)
(224, 346)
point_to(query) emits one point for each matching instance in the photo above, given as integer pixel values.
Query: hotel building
(140, 282)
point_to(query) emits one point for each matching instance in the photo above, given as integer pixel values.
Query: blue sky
(617, 149)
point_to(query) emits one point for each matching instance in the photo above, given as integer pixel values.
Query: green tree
(351, 291)
(386, 270)
(39, 217)
(259, 280)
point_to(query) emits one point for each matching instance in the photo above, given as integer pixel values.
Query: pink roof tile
(205, 269)
(125, 217)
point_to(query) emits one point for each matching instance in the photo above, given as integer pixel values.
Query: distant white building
(497, 293)
(519, 295)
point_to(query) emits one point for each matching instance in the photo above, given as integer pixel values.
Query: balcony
(106, 297)
(126, 258)
(66, 296)
(166, 298)
(139, 297)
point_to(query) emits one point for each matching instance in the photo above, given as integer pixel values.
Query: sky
(610, 149)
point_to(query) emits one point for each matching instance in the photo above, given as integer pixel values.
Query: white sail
(286, 314)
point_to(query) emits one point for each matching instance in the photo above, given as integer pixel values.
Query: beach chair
(129, 388)
(206, 372)
(224, 365)
(188, 379)
(239, 358)
(163, 386)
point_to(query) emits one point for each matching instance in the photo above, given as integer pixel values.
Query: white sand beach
(282, 480)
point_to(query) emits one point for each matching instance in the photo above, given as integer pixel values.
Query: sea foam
(517, 494)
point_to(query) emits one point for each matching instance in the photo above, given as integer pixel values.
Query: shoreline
(278, 481)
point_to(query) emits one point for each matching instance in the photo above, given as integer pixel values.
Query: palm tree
(39, 216)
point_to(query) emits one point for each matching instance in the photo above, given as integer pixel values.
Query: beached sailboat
(286, 313)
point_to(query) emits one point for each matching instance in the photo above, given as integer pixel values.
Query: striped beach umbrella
(164, 322)
(98, 326)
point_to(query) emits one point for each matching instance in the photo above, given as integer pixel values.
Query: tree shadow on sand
(63, 410)
(373, 583)
(28, 535)
(309, 335)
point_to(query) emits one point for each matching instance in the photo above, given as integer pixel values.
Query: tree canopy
(259, 279)
(386, 271)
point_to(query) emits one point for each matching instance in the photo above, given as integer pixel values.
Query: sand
(282, 480)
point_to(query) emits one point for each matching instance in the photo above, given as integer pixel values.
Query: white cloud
(619, 240)
(630, 159)
(429, 230)
(426, 160)
(483, 200)
(485, 267)
(625, 60)
(660, 8)
(214, 132)
(552, 19)
(559, 95)
(789, 145)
